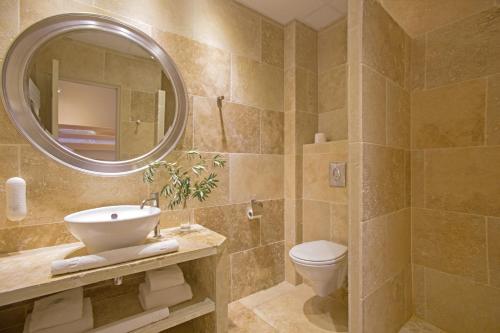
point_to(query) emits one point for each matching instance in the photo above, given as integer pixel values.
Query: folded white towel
(166, 297)
(78, 326)
(112, 257)
(133, 322)
(164, 278)
(57, 309)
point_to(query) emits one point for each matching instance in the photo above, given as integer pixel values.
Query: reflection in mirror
(100, 95)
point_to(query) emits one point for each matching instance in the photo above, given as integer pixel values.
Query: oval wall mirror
(94, 94)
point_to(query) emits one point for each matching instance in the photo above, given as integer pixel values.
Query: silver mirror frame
(14, 92)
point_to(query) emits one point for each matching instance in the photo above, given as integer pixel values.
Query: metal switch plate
(337, 174)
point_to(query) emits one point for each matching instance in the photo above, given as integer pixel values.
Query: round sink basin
(113, 227)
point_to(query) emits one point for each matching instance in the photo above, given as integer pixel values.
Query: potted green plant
(186, 178)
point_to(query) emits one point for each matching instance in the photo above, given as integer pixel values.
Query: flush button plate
(337, 174)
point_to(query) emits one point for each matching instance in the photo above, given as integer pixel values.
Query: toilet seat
(318, 253)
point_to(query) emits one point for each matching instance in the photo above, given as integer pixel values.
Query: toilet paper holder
(254, 211)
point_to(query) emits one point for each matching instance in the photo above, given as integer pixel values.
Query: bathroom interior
(250, 166)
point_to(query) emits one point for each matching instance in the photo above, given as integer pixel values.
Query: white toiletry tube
(15, 190)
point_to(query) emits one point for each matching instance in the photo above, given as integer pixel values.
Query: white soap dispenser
(15, 189)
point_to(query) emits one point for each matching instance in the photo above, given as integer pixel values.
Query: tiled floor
(285, 308)
(417, 325)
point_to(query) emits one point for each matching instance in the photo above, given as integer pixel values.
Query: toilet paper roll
(15, 190)
(319, 138)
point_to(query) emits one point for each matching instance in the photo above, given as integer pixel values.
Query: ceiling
(315, 13)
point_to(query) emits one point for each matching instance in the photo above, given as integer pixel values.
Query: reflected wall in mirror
(100, 95)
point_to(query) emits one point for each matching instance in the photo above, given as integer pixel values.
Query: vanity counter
(25, 275)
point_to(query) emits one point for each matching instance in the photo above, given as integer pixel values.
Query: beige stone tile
(493, 111)
(272, 43)
(463, 180)
(332, 89)
(417, 178)
(398, 116)
(289, 83)
(384, 310)
(9, 133)
(306, 125)
(32, 11)
(205, 70)
(407, 154)
(493, 231)
(272, 226)
(315, 220)
(136, 140)
(306, 50)
(293, 221)
(417, 63)
(418, 17)
(334, 124)
(171, 15)
(228, 25)
(131, 72)
(464, 50)
(335, 147)
(418, 284)
(186, 140)
(386, 248)
(417, 325)
(306, 91)
(231, 221)
(256, 84)
(9, 167)
(244, 320)
(450, 116)
(9, 24)
(374, 107)
(34, 236)
(450, 242)
(271, 132)
(339, 224)
(332, 46)
(55, 190)
(381, 29)
(256, 269)
(474, 307)
(235, 128)
(383, 180)
(316, 175)
(255, 177)
(289, 45)
(143, 106)
(82, 61)
(301, 311)
(263, 296)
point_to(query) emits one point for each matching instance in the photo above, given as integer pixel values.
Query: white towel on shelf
(164, 278)
(85, 323)
(57, 309)
(166, 297)
(112, 257)
(133, 322)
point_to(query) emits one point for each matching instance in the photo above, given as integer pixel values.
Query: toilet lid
(318, 251)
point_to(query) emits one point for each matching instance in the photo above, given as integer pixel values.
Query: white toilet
(322, 263)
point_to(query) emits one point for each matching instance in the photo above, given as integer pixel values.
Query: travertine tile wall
(379, 170)
(324, 208)
(455, 161)
(332, 80)
(220, 48)
(301, 123)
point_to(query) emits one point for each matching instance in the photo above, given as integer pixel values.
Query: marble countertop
(26, 274)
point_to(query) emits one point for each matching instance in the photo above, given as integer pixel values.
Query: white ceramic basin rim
(113, 227)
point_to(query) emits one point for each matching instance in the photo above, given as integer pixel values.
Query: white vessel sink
(113, 227)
